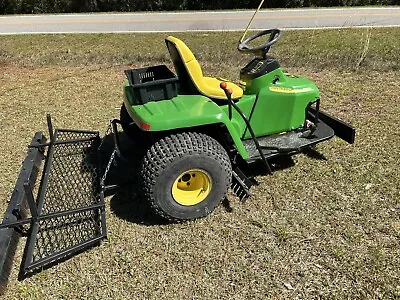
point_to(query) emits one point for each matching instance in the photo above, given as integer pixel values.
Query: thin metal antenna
(251, 20)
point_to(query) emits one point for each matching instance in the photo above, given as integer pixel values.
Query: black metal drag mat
(66, 215)
(70, 205)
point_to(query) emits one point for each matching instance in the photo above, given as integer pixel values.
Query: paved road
(201, 21)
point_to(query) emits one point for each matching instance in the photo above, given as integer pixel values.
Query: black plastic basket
(152, 83)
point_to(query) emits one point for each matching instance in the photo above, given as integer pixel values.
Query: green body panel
(270, 107)
(280, 106)
(245, 104)
(183, 111)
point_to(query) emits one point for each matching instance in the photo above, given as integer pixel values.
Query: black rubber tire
(173, 155)
(129, 127)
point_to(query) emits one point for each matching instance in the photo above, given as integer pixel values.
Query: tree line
(75, 6)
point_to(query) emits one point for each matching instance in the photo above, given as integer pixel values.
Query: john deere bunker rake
(199, 135)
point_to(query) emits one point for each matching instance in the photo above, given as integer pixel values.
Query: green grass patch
(345, 49)
(321, 229)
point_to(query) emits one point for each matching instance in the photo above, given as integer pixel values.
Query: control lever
(228, 92)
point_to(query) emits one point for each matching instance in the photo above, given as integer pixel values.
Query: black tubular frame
(11, 231)
(86, 217)
(342, 130)
(253, 136)
(251, 114)
(231, 103)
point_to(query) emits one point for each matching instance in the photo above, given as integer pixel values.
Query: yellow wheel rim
(191, 187)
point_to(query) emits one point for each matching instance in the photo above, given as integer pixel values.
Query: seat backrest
(186, 65)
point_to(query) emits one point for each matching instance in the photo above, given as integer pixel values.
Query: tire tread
(166, 150)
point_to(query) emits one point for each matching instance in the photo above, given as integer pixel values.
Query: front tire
(185, 176)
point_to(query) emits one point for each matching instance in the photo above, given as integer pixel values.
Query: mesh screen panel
(67, 222)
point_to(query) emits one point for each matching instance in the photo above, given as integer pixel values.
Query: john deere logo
(279, 89)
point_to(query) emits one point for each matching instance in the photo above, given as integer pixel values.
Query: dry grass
(321, 229)
(316, 50)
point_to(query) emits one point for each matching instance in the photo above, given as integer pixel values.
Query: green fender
(183, 111)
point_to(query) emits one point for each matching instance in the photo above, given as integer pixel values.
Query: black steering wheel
(274, 35)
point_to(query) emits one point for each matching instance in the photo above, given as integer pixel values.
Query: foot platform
(287, 143)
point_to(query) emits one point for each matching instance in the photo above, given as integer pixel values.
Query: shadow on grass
(258, 168)
(279, 163)
(126, 202)
(314, 154)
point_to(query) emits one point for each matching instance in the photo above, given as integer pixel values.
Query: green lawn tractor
(200, 130)
(198, 136)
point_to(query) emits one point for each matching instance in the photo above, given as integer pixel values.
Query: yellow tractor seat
(191, 76)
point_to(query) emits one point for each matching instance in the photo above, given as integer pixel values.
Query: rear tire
(185, 176)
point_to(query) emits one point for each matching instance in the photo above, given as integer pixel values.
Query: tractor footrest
(287, 143)
(68, 214)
